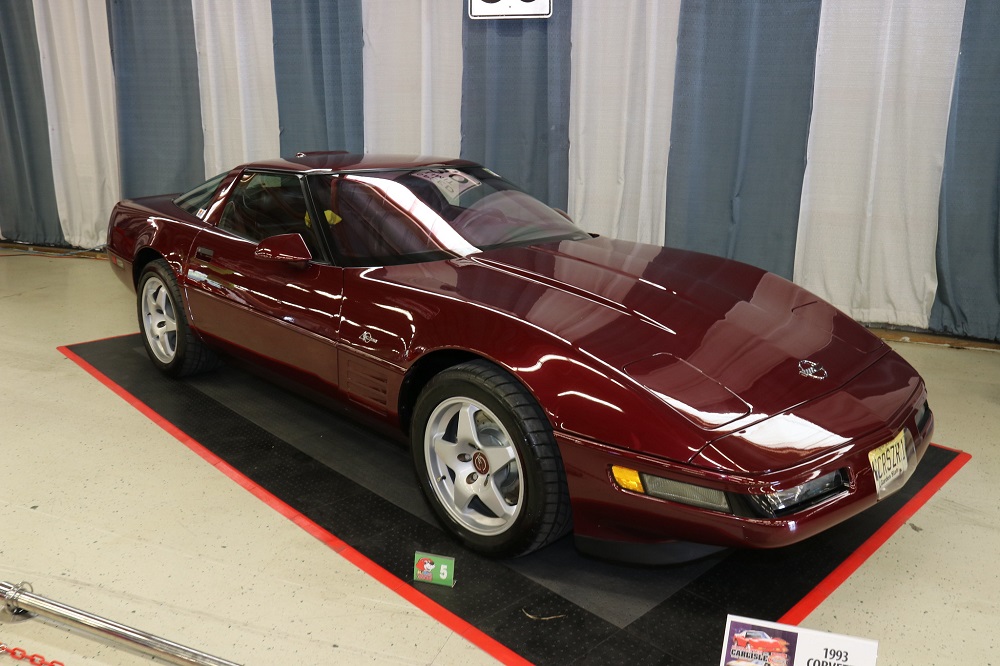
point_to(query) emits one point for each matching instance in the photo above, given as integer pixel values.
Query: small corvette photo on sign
(750, 642)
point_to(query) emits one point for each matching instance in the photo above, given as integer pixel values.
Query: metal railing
(21, 602)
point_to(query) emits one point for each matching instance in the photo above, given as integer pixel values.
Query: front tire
(487, 461)
(171, 344)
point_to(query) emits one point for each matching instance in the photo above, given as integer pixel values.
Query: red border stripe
(474, 635)
(825, 588)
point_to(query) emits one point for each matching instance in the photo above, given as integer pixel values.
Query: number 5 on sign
(436, 569)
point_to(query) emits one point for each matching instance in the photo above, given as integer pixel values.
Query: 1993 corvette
(660, 403)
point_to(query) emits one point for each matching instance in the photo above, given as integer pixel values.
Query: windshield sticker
(451, 182)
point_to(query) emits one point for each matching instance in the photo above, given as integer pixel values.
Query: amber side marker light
(628, 479)
(669, 489)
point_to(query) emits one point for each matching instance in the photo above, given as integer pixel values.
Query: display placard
(509, 9)
(750, 642)
(435, 569)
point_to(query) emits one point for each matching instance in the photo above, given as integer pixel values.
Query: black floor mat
(359, 486)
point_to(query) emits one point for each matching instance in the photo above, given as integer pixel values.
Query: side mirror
(286, 248)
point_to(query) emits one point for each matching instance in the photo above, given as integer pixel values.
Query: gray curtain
(161, 144)
(28, 211)
(515, 100)
(968, 249)
(742, 102)
(319, 74)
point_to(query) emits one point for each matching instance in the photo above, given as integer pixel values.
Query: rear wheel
(171, 344)
(487, 461)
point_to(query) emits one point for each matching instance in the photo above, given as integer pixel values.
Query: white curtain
(624, 54)
(239, 101)
(868, 221)
(78, 82)
(413, 76)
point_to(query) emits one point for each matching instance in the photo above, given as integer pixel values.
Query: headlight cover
(783, 501)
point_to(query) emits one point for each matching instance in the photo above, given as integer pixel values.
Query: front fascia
(873, 407)
(604, 512)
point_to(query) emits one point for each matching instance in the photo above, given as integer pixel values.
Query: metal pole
(20, 599)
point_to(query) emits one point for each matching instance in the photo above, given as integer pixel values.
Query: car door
(277, 311)
(368, 232)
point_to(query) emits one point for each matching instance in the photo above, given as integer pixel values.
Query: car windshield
(402, 216)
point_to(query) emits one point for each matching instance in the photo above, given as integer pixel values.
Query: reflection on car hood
(745, 330)
(716, 341)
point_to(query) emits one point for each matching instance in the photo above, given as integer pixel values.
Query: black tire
(487, 461)
(171, 344)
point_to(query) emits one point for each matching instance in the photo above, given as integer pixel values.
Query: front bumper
(624, 525)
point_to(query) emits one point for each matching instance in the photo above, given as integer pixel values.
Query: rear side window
(198, 199)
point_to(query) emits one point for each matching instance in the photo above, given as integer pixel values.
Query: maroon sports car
(760, 641)
(660, 403)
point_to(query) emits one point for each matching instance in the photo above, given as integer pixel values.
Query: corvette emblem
(812, 370)
(480, 462)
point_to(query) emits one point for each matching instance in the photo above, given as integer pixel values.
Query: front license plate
(889, 463)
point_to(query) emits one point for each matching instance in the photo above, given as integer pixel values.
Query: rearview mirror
(286, 248)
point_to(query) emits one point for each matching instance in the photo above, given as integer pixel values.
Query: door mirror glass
(287, 248)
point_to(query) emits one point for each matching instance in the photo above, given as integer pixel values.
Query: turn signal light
(628, 479)
(669, 489)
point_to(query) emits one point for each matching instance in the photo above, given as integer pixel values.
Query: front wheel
(171, 344)
(487, 461)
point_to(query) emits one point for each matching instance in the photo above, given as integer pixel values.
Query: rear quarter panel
(143, 229)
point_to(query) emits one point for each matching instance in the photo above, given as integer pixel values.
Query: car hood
(719, 341)
(716, 341)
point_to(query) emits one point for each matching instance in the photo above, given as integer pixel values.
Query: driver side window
(264, 204)
(367, 227)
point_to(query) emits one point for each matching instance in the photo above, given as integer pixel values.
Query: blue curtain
(319, 74)
(968, 249)
(515, 100)
(28, 211)
(161, 144)
(742, 102)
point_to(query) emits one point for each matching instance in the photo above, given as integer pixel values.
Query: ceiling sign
(510, 9)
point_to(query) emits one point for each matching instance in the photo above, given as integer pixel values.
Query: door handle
(204, 253)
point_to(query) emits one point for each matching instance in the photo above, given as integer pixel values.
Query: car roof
(344, 161)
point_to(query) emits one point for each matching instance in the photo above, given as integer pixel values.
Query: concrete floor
(103, 510)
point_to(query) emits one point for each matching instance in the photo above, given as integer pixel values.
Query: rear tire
(487, 461)
(171, 344)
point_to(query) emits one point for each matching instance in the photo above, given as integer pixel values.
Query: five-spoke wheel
(172, 346)
(473, 466)
(158, 315)
(487, 461)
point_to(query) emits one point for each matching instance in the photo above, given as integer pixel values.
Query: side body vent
(367, 384)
